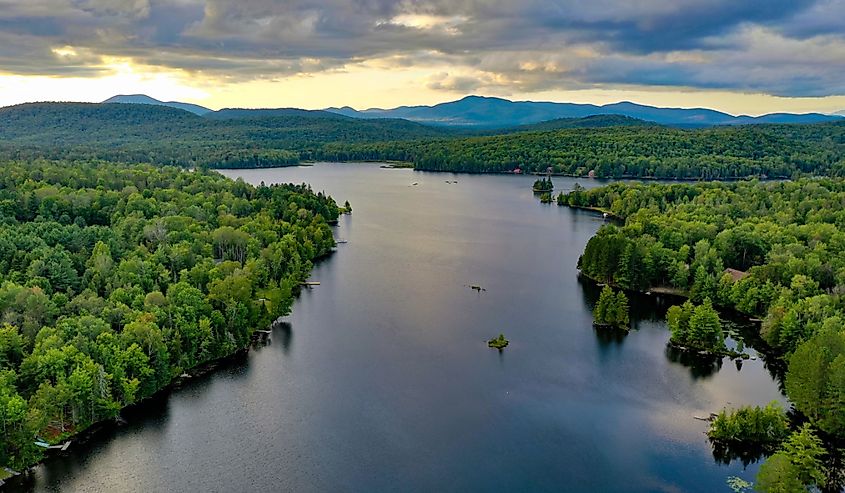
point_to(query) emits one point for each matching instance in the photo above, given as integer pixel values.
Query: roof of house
(736, 275)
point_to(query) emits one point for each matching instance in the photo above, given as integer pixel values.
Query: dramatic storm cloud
(776, 47)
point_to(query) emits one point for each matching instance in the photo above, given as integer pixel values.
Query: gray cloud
(781, 47)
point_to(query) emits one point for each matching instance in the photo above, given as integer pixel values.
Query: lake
(381, 379)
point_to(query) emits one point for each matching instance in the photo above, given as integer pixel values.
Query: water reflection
(647, 309)
(700, 365)
(609, 336)
(284, 331)
(746, 454)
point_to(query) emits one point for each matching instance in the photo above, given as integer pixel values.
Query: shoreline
(98, 427)
(728, 313)
(608, 213)
(410, 165)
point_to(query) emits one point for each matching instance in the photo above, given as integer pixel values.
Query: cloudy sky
(741, 56)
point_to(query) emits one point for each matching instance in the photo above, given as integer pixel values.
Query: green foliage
(779, 475)
(796, 467)
(611, 308)
(157, 134)
(623, 151)
(498, 342)
(738, 485)
(815, 381)
(760, 425)
(118, 278)
(543, 185)
(696, 327)
(783, 242)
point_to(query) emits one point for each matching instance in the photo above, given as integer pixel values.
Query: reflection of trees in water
(643, 307)
(740, 330)
(653, 308)
(700, 365)
(727, 452)
(749, 333)
(284, 331)
(609, 336)
(834, 461)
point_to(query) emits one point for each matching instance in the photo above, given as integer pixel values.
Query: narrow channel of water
(381, 379)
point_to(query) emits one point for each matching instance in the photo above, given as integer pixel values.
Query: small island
(696, 328)
(544, 185)
(498, 342)
(611, 309)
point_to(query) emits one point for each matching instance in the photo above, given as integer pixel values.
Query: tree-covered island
(611, 309)
(543, 185)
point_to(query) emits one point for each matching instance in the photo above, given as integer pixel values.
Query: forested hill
(164, 135)
(608, 145)
(627, 151)
(592, 121)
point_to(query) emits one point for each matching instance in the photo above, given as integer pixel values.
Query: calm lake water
(381, 379)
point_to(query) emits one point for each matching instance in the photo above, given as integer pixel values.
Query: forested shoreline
(774, 251)
(115, 279)
(773, 151)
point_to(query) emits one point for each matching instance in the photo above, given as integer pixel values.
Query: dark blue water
(381, 379)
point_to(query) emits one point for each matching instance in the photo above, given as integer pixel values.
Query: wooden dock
(61, 447)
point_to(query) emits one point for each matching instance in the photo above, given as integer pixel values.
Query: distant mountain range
(494, 113)
(481, 111)
(144, 99)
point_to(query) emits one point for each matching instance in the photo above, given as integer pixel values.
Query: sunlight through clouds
(749, 57)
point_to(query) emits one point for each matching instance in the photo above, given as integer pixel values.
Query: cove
(381, 378)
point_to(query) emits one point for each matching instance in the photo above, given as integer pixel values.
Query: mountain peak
(144, 99)
(133, 99)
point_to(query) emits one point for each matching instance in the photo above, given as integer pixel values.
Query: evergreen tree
(797, 467)
(705, 328)
(678, 318)
(696, 327)
(611, 308)
(621, 317)
(604, 305)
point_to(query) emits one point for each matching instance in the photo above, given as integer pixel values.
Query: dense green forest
(607, 145)
(769, 250)
(115, 279)
(161, 135)
(626, 151)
